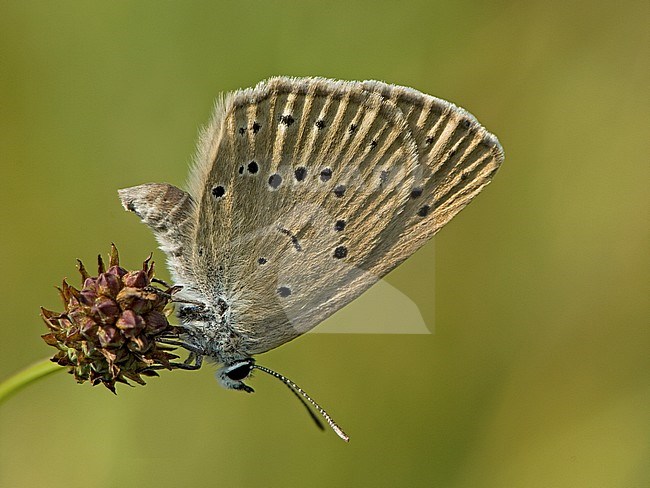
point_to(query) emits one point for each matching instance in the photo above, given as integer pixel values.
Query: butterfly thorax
(208, 334)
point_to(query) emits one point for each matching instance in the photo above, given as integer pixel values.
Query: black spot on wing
(300, 173)
(339, 191)
(340, 252)
(284, 291)
(424, 210)
(275, 180)
(287, 119)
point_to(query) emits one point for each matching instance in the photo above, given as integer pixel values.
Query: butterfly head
(231, 375)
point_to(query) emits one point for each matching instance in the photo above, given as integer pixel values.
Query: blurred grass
(537, 374)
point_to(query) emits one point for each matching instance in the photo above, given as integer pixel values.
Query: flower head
(109, 330)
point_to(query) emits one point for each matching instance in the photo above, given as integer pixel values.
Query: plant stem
(26, 376)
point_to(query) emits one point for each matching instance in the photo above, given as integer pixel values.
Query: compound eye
(239, 371)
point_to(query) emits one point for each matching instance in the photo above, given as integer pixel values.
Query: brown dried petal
(50, 318)
(113, 257)
(63, 291)
(100, 265)
(134, 377)
(62, 360)
(50, 339)
(73, 335)
(82, 271)
(110, 356)
(68, 293)
(151, 271)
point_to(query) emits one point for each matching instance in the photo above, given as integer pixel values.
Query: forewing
(457, 156)
(300, 183)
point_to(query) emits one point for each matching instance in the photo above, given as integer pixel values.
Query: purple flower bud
(108, 336)
(108, 284)
(135, 279)
(90, 283)
(156, 322)
(130, 323)
(87, 327)
(117, 271)
(87, 297)
(106, 309)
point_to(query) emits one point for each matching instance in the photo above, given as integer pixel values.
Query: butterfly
(304, 192)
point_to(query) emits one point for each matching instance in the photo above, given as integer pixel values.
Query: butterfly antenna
(303, 396)
(311, 413)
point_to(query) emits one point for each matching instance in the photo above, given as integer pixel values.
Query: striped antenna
(299, 391)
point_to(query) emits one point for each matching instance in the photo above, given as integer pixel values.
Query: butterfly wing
(305, 192)
(458, 158)
(296, 183)
(310, 190)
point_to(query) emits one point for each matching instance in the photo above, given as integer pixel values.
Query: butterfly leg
(195, 356)
(161, 282)
(187, 364)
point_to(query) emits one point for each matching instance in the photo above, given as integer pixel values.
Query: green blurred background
(538, 372)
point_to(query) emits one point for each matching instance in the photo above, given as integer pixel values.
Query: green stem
(28, 375)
